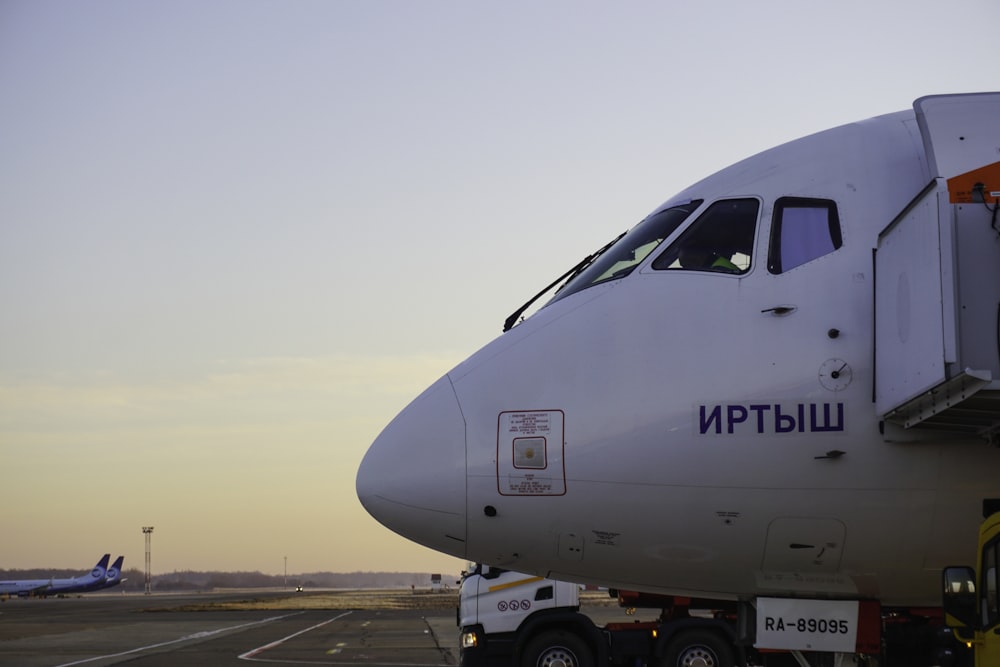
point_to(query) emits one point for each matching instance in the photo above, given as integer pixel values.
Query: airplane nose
(412, 479)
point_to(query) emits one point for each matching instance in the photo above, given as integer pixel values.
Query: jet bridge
(937, 273)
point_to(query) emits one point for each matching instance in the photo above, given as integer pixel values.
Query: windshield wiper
(568, 276)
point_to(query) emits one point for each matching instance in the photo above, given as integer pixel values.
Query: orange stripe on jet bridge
(512, 584)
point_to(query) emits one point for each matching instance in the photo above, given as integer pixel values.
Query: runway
(162, 631)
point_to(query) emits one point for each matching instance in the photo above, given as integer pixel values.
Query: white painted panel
(910, 338)
(807, 625)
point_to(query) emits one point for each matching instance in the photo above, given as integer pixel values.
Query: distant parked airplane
(114, 574)
(100, 577)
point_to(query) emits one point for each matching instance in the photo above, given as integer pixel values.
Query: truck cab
(498, 607)
(971, 598)
(501, 599)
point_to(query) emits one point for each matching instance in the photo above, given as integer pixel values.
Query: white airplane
(780, 383)
(94, 580)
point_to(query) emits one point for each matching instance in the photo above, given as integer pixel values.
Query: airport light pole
(148, 532)
(286, 571)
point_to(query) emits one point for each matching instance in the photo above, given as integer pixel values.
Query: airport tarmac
(202, 630)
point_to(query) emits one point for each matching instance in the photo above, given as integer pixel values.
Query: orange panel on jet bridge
(960, 187)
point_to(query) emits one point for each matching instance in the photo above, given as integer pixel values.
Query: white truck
(512, 619)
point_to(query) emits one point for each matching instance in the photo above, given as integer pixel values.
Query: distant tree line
(190, 580)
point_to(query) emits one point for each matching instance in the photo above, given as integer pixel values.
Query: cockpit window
(803, 230)
(622, 258)
(721, 240)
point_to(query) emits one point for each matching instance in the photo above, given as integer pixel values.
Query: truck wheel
(698, 648)
(557, 648)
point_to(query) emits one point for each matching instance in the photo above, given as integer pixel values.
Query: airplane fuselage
(703, 431)
(100, 577)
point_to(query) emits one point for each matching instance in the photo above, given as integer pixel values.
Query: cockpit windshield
(622, 258)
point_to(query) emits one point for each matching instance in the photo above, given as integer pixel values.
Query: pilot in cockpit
(700, 258)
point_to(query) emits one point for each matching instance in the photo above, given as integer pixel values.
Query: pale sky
(237, 237)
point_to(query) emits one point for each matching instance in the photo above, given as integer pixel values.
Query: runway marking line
(250, 655)
(340, 647)
(197, 635)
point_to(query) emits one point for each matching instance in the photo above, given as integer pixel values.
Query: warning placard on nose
(530, 453)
